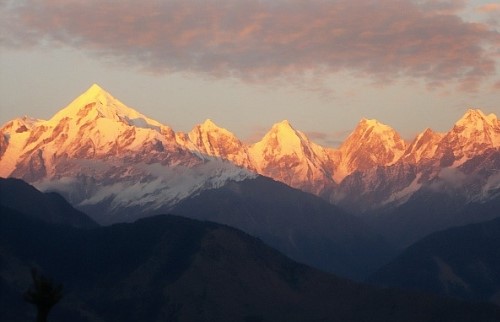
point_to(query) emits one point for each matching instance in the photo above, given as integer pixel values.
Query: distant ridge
(97, 152)
(49, 207)
(462, 262)
(168, 268)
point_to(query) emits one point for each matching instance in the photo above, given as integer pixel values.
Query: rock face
(98, 151)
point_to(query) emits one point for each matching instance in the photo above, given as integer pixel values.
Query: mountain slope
(114, 162)
(211, 140)
(423, 147)
(184, 270)
(99, 153)
(462, 164)
(302, 226)
(462, 262)
(371, 144)
(287, 155)
(470, 136)
(50, 207)
(459, 196)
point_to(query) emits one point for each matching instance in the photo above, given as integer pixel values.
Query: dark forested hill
(169, 268)
(462, 262)
(51, 207)
(301, 225)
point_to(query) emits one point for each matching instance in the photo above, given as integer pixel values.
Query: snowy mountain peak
(212, 140)
(373, 125)
(371, 144)
(423, 146)
(97, 103)
(475, 122)
(284, 138)
(472, 135)
(369, 122)
(475, 116)
(111, 149)
(372, 131)
(287, 155)
(283, 127)
(20, 125)
(284, 123)
(95, 87)
(426, 135)
(95, 90)
(208, 128)
(209, 124)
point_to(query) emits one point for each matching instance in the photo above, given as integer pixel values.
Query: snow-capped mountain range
(97, 151)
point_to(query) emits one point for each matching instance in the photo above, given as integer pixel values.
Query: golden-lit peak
(375, 126)
(370, 122)
(94, 91)
(95, 87)
(283, 125)
(96, 102)
(473, 116)
(209, 124)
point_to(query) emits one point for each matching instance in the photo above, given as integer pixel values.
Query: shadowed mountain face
(51, 207)
(301, 225)
(430, 212)
(169, 268)
(463, 262)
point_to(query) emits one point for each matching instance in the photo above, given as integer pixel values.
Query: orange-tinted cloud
(257, 40)
(489, 7)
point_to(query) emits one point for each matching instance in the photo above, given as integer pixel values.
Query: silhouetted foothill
(43, 294)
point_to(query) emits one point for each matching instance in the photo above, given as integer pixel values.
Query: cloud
(491, 11)
(489, 7)
(262, 40)
(442, 6)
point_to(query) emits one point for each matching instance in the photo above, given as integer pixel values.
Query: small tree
(43, 294)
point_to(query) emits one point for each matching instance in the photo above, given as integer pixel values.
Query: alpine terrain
(119, 165)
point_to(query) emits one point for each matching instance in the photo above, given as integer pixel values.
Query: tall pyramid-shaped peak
(283, 133)
(475, 116)
(95, 88)
(95, 93)
(283, 137)
(473, 132)
(208, 124)
(426, 135)
(368, 130)
(208, 127)
(98, 101)
(371, 144)
(283, 125)
(373, 124)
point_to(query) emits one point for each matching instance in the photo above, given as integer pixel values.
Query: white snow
(107, 106)
(113, 137)
(404, 194)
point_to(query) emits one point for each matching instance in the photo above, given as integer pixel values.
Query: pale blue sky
(274, 62)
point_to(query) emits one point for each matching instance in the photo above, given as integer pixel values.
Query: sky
(247, 64)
